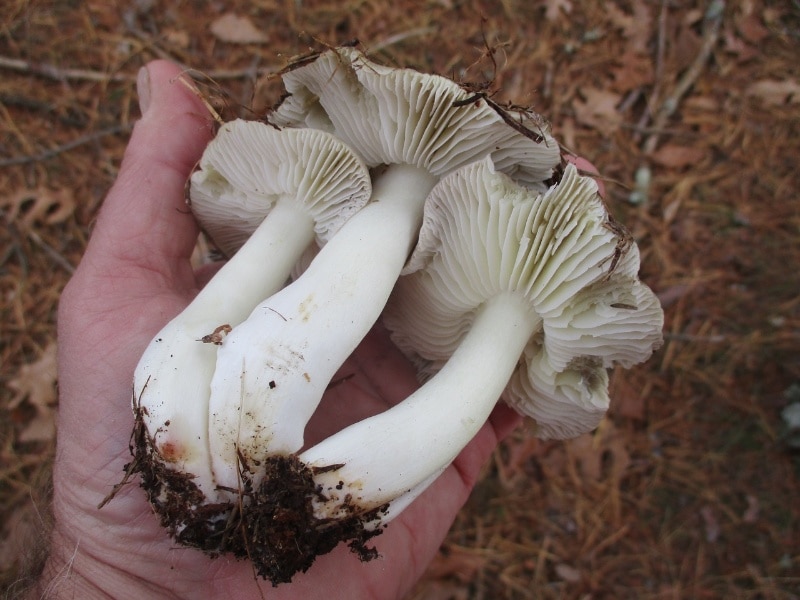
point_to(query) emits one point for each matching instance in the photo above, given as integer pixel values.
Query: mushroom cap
(392, 116)
(249, 166)
(483, 235)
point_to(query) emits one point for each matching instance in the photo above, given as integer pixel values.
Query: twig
(49, 71)
(18, 133)
(672, 132)
(197, 74)
(77, 119)
(687, 337)
(247, 72)
(48, 154)
(711, 27)
(399, 37)
(202, 98)
(54, 255)
(55, 73)
(658, 75)
(150, 43)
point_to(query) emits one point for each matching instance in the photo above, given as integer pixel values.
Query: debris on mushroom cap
(595, 312)
(393, 115)
(249, 166)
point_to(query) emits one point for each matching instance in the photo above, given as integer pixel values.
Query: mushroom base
(271, 523)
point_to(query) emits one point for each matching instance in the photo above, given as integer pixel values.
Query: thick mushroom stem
(181, 358)
(277, 243)
(424, 433)
(288, 187)
(273, 368)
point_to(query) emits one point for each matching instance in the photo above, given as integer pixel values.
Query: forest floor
(690, 488)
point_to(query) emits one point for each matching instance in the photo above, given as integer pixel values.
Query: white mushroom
(506, 286)
(412, 129)
(284, 185)
(308, 184)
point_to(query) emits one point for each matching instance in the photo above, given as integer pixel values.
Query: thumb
(144, 221)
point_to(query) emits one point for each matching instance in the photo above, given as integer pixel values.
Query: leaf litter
(689, 488)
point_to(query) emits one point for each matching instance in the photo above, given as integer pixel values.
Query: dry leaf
(178, 37)
(555, 7)
(677, 157)
(634, 71)
(620, 19)
(635, 27)
(600, 453)
(683, 51)
(701, 103)
(775, 92)
(237, 30)
(628, 401)
(40, 205)
(36, 383)
(568, 573)
(751, 28)
(599, 110)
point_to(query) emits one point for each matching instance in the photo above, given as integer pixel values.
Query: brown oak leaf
(36, 384)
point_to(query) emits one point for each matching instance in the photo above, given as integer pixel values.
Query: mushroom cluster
(497, 269)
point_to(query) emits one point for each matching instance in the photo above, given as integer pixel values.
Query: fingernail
(143, 89)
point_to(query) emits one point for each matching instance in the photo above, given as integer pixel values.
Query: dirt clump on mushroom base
(272, 524)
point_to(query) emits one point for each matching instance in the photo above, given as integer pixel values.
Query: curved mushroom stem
(396, 452)
(173, 377)
(273, 369)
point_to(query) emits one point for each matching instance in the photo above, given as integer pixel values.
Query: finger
(144, 221)
(585, 166)
(504, 420)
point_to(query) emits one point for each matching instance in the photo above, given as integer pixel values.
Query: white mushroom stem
(392, 453)
(273, 368)
(270, 253)
(284, 185)
(173, 376)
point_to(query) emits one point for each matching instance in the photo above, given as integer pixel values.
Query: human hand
(587, 168)
(135, 276)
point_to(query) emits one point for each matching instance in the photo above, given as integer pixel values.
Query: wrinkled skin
(134, 278)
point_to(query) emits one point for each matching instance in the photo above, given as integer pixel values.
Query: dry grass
(690, 488)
